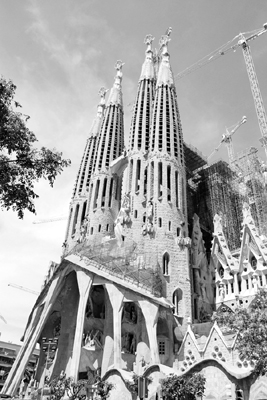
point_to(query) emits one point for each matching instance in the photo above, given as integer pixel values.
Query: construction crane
(45, 220)
(227, 139)
(23, 288)
(242, 41)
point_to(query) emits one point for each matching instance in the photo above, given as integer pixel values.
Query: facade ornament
(221, 291)
(217, 221)
(264, 172)
(183, 242)
(246, 211)
(123, 219)
(148, 227)
(83, 230)
(148, 41)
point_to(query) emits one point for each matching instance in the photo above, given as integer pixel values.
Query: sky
(60, 52)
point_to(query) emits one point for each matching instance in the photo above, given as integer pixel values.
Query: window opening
(176, 189)
(75, 219)
(169, 183)
(138, 174)
(152, 179)
(104, 192)
(96, 193)
(130, 175)
(145, 181)
(162, 347)
(160, 181)
(165, 262)
(160, 222)
(135, 213)
(110, 192)
(83, 211)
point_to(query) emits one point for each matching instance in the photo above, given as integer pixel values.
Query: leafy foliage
(103, 388)
(77, 390)
(21, 164)
(62, 385)
(250, 324)
(184, 387)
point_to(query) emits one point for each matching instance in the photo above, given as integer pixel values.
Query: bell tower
(157, 178)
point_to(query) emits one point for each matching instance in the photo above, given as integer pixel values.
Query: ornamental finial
(169, 31)
(148, 40)
(102, 92)
(164, 41)
(119, 64)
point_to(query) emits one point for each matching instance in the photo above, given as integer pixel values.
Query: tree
(250, 325)
(184, 387)
(61, 386)
(21, 164)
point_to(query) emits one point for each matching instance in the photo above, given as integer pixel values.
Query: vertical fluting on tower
(139, 144)
(79, 202)
(105, 188)
(156, 176)
(166, 138)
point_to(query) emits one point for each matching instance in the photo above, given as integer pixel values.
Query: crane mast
(255, 89)
(227, 139)
(253, 80)
(23, 288)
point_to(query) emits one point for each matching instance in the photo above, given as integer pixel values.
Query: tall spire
(86, 166)
(78, 204)
(139, 132)
(105, 188)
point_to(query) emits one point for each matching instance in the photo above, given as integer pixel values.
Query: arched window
(176, 299)
(165, 263)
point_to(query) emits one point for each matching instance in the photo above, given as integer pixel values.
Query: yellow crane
(227, 139)
(241, 40)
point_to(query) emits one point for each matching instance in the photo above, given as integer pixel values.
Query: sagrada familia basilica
(152, 249)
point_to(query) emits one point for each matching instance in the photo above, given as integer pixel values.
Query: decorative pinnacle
(102, 92)
(148, 40)
(118, 66)
(164, 41)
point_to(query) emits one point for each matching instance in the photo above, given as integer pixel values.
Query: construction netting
(125, 262)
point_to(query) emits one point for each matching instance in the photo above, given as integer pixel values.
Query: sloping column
(116, 297)
(151, 312)
(21, 361)
(84, 284)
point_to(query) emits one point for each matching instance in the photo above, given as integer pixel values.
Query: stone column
(150, 312)
(22, 359)
(116, 297)
(84, 284)
(236, 291)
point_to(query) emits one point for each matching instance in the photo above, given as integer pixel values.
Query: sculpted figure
(221, 291)
(122, 218)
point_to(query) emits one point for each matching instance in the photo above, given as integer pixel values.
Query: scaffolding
(126, 263)
(216, 193)
(251, 183)
(222, 189)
